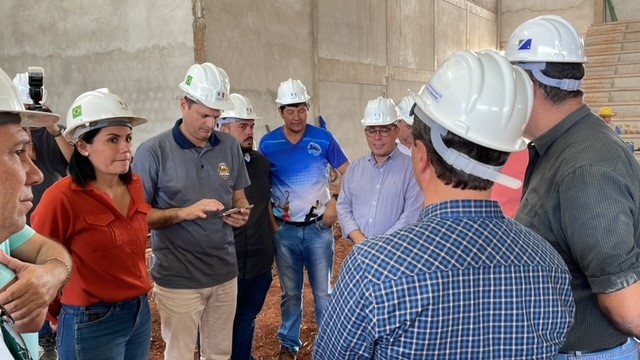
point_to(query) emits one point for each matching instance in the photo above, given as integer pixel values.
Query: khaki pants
(183, 311)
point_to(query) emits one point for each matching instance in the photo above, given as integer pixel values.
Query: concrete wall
(138, 49)
(346, 52)
(625, 10)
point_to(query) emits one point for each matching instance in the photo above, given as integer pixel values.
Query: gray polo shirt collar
(184, 143)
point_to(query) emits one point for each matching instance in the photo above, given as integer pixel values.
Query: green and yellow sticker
(76, 111)
(188, 80)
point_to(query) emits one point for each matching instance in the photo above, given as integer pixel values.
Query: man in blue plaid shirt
(464, 282)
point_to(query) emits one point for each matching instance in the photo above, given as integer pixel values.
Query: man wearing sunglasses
(32, 268)
(379, 193)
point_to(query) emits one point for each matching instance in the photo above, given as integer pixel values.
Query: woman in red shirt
(99, 214)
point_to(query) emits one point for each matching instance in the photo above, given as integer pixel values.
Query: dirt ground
(266, 344)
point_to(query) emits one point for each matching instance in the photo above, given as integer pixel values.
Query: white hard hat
(482, 98)
(242, 110)
(208, 85)
(97, 109)
(380, 111)
(292, 92)
(547, 38)
(404, 109)
(21, 82)
(10, 102)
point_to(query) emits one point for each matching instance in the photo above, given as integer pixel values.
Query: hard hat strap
(564, 84)
(462, 161)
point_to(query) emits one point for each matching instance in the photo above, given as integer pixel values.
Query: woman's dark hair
(447, 173)
(81, 169)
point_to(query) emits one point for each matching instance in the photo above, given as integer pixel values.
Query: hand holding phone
(234, 210)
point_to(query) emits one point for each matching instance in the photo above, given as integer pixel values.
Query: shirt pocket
(100, 232)
(529, 209)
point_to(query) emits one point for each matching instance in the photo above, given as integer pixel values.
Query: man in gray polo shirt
(582, 192)
(191, 175)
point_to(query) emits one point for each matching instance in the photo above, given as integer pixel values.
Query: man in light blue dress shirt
(379, 192)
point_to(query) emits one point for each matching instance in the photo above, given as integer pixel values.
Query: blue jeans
(251, 295)
(626, 351)
(113, 331)
(296, 248)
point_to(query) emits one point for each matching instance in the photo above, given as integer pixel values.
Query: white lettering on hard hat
(435, 94)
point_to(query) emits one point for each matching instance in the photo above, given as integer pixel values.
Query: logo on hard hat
(377, 117)
(435, 94)
(223, 171)
(77, 111)
(123, 105)
(293, 95)
(188, 80)
(524, 44)
(220, 95)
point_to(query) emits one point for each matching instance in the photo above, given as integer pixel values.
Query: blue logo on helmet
(524, 44)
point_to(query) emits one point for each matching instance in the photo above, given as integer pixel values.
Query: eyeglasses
(12, 338)
(384, 131)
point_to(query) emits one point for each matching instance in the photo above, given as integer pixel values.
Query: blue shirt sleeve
(18, 239)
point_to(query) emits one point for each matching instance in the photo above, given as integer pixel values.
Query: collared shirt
(107, 247)
(199, 253)
(300, 172)
(583, 197)
(463, 282)
(254, 240)
(379, 199)
(403, 148)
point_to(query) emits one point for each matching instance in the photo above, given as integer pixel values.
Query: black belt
(301, 223)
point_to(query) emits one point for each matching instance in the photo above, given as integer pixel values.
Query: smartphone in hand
(234, 210)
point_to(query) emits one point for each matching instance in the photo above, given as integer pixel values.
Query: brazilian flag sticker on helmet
(77, 111)
(188, 80)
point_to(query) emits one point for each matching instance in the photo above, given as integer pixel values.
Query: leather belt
(301, 223)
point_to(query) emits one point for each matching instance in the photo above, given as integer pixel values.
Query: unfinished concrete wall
(138, 49)
(376, 48)
(345, 52)
(625, 10)
(260, 44)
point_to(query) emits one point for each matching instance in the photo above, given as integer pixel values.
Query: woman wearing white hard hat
(99, 214)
